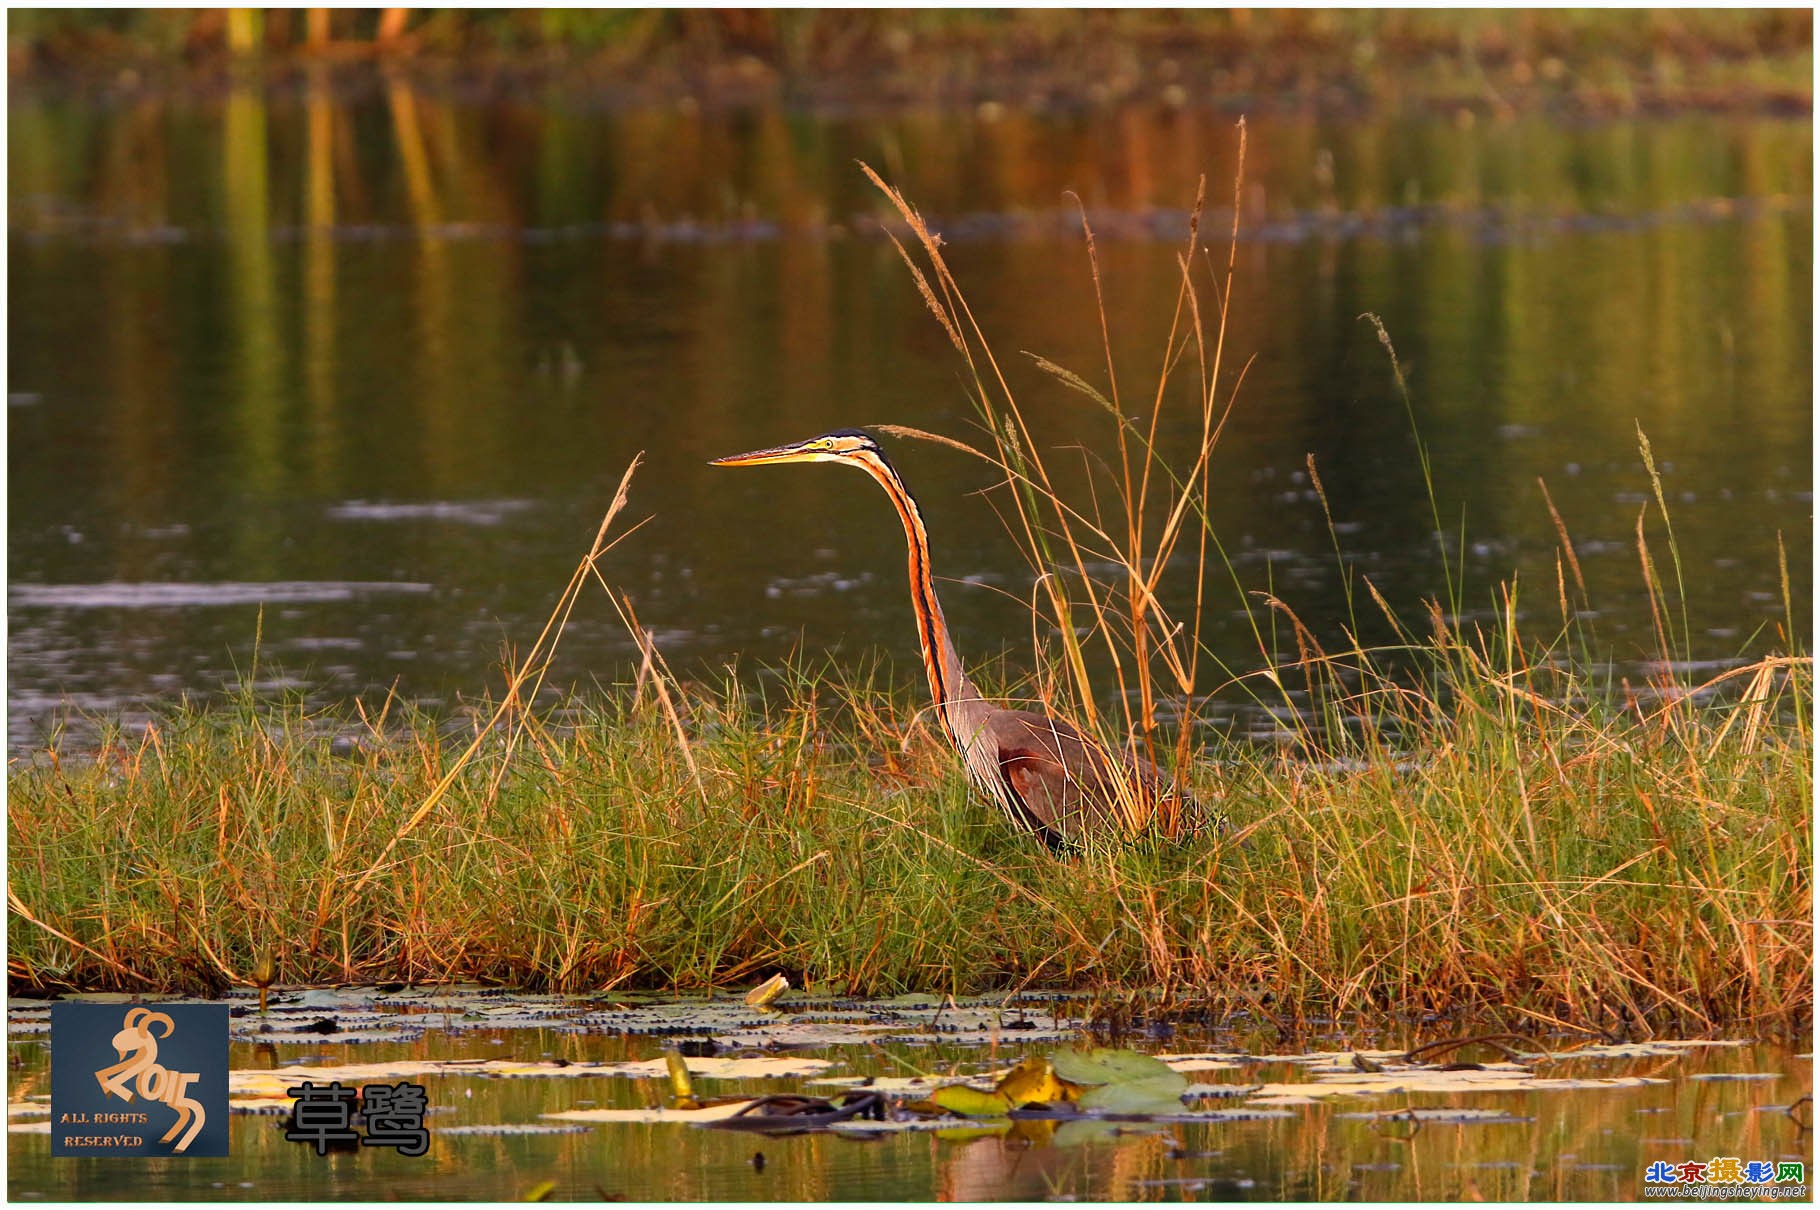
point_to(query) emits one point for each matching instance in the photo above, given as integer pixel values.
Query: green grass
(1514, 859)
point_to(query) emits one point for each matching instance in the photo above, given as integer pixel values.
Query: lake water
(1583, 1121)
(371, 361)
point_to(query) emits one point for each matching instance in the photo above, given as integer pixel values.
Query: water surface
(1672, 1102)
(356, 373)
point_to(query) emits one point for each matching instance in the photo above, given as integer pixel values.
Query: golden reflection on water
(436, 156)
(242, 310)
(1567, 1145)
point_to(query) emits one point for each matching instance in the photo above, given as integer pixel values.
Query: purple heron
(1041, 772)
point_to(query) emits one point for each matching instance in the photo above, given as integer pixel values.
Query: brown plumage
(1042, 773)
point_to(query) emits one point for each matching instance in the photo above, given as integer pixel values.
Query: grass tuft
(1511, 857)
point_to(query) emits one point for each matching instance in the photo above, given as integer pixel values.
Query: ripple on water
(462, 512)
(148, 594)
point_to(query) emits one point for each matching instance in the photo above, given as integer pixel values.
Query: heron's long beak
(777, 453)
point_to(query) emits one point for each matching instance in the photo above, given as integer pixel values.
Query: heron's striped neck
(948, 681)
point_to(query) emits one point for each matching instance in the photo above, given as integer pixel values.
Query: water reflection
(1591, 1145)
(311, 335)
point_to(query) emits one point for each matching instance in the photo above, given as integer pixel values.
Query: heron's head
(842, 445)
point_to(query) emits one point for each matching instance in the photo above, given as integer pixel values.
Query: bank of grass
(1509, 859)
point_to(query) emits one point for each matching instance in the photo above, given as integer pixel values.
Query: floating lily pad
(1338, 1058)
(719, 1068)
(802, 1034)
(260, 1107)
(888, 1084)
(1219, 1091)
(1253, 1112)
(970, 1102)
(1033, 1082)
(767, 991)
(950, 1133)
(861, 1126)
(346, 1038)
(1456, 1116)
(1563, 1085)
(1158, 1094)
(263, 1082)
(1207, 1062)
(514, 1128)
(710, 1113)
(1106, 1066)
(1433, 1080)
(1084, 1130)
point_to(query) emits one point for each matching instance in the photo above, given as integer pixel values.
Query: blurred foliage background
(1607, 60)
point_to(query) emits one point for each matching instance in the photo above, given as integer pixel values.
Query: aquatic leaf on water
(866, 1126)
(682, 1093)
(1107, 1066)
(1250, 1113)
(1076, 1131)
(1449, 1116)
(970, 1102)
(914, 1000)
(258, 1106)
(1561, 1085)
(707, 1113)
(1219, 1091)
(767, 991)
(724, 1068)
(1206, 1062)
(513, 1128)
(1431, 1080)
(350, 1037)
(991, 1035)
(1033, 1082)
(794, 1032)
(1157, 1094)
(1275, 1100)
(1338, 1058)
(907, 1084)
(276, 1083)
(1622, 1049)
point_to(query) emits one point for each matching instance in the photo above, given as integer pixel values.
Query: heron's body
(1044, 774)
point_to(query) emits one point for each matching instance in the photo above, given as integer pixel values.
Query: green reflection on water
(235, 315)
